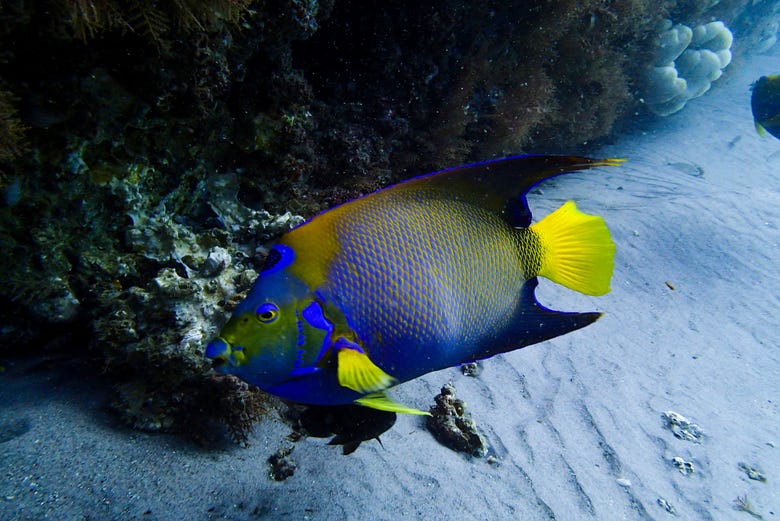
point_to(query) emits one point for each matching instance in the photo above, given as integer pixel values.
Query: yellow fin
(381, 402)
(610, 161)
(577, 250)
(357, 372)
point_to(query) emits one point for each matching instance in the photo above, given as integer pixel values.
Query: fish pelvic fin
(577, 250)
(356, 371)
(382, 402)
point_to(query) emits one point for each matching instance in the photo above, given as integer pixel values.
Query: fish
(430, 273)
(351, 424)
(765, 104)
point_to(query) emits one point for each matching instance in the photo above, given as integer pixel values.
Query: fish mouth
(218, 350)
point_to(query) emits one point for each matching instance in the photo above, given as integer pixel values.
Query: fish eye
(267, 313)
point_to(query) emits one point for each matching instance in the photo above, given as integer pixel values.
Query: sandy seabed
(576, 424)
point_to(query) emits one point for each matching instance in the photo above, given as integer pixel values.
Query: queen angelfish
(765, 104)
(430, 273)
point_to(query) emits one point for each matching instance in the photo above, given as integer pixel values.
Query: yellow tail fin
(577, 250)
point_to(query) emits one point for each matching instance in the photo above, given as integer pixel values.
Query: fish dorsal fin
(382, 402)
(501, 185)
(356, 371)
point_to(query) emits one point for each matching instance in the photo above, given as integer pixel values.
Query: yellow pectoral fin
(357, 372)
(577, 250)
(381, 402)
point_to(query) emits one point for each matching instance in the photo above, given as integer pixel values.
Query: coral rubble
(453, 426)
(752, 472)
(282, 464)
(682, 427)
(686, 468)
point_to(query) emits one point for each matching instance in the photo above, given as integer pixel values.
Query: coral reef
(150, 150)
(120, 223)
(688, 61)
(453, 427)
(486, 78)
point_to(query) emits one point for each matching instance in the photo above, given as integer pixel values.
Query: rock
(453, 427)
(685, 467)
(752, 472)
(471, 369)
(218, 259)
(682, 428)
(282, 465)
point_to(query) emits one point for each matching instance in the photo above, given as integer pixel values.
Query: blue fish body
(427, 274)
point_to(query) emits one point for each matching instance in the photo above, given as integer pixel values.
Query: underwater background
(150, 153)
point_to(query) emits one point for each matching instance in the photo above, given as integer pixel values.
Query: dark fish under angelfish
(765, 103)
(430, 273)
(351, 424)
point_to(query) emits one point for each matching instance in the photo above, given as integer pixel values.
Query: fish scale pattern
(418, 272)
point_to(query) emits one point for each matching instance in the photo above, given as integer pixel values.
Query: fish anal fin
(356, 371)
(382, 402)
(540, 323)
(534, 323)
(577, 250)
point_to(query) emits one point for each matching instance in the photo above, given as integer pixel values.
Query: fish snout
(219, 351)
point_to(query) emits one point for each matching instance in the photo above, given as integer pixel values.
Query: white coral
(687, 62)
